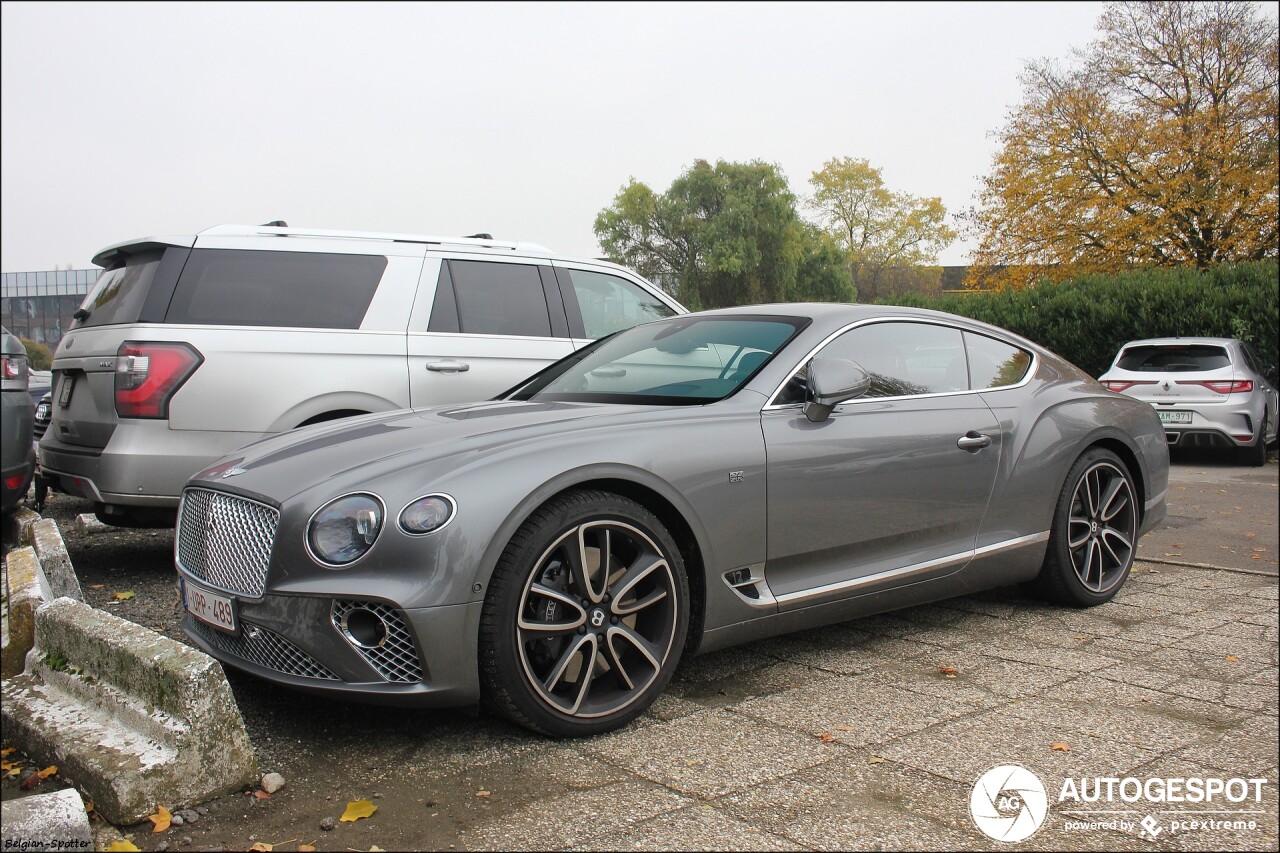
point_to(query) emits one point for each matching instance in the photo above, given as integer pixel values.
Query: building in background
(39, 305)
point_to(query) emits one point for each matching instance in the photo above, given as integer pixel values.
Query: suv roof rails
(476, 240)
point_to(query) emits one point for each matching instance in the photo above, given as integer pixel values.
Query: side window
(995, 364)
(290, 289)
(499, 299)
(609, 303)
(905, 358)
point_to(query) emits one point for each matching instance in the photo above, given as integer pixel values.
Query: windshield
(684, 361)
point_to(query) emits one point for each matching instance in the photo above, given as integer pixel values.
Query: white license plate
(218, 610)
(1174, 417)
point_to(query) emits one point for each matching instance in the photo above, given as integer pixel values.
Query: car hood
(281, 466)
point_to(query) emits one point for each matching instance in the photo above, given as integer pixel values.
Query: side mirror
(831, 382)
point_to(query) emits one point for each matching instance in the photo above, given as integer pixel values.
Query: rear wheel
(1094, 535)
(585, 617)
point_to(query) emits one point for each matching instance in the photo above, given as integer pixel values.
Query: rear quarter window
(1177, 358)
(290, 289)
(120, 292)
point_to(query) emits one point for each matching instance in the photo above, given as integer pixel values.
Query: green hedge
(1087, 319)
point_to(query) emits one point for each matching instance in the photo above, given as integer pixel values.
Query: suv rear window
(119, 293)
(1173, 358)
(291, 289)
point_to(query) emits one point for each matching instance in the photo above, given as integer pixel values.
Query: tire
(1255, 455)
(1094, 535)
(550, 614)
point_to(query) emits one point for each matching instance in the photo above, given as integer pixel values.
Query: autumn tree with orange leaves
(1155, 146)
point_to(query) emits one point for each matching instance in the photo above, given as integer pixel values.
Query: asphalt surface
(865, 735)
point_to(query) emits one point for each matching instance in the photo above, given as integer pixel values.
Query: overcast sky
(123, 120)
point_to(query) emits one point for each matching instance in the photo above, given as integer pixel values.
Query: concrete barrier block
(131, 717)
(54, 560)
(25, 590)
(23, 519)
(54, 821)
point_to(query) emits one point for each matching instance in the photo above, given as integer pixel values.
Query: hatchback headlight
(427, 514)
(343, 530)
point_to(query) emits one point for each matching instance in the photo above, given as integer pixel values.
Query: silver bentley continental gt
(681, 486)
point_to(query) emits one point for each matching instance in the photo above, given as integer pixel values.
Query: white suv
(190, 347)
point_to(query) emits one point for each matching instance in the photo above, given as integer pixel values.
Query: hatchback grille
(396, 659)
(225, 540)
(265, 648)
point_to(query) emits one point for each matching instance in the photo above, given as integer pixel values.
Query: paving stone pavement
(853, 736)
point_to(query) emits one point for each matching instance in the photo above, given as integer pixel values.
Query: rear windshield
(294, 289)
(1173, 358)
(119, 292)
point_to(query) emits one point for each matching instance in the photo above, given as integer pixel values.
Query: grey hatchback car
(1205, 390)
(16, 447)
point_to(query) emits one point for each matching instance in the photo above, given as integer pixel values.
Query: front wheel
(1094, 535)
(585, 617)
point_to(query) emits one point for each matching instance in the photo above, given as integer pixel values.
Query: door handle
(973, 441)
(448, 366)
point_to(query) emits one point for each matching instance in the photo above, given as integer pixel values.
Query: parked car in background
(1205, 390)
(17, 452)
(681, 486)
(189, 347)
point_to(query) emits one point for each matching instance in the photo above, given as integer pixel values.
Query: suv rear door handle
(448, 366)
(973, 441)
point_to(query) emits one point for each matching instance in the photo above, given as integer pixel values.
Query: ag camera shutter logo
(1009, 803)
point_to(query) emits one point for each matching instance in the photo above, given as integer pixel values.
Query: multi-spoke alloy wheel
(586, 616)
(1095, 531)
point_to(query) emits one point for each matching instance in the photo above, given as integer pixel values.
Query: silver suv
(189, 347)
(1204, 390)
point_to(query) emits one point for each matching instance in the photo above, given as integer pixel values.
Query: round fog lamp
(427, 514)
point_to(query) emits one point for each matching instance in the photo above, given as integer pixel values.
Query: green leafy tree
(723, 235)
(39, 357)
(880, 231)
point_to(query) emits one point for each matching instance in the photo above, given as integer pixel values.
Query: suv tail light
(1122, 384)
(1225, 386)
(148, 375)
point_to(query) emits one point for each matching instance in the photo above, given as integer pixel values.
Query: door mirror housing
(832, 381)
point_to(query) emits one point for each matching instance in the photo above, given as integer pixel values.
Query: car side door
(480, 325)
(892, 487)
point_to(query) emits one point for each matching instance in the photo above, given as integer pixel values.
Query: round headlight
(343, 530)
(427, 514)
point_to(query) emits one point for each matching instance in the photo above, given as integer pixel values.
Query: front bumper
(294, 641)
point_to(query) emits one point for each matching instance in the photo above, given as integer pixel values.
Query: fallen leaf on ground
(1249, 534)
(358, 809)
(306, 848)
(376, 849)
(1260, 550)
(122, 596)
(948, 671)
(1079, 637)
(827, 737)
(97, 586)
(1059, 747)
(261, 794)
(1231, 659)
(6, 751)
(875, 759)
(162, 818)
(122, 846)
(259, 847)
(1153, 571)
(483, 793)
